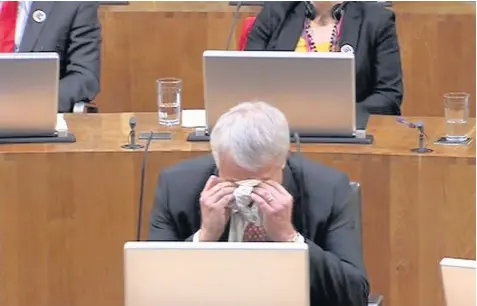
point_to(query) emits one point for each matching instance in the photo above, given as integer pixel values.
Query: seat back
(246, 28)
(355, 202)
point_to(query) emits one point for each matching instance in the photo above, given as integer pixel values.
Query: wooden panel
(437, 41)
(67, 209)
(147, 40)
(141, 46)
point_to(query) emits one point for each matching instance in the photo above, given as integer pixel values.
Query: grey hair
(254, 134)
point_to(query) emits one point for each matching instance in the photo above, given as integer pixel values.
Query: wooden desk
(67, 209)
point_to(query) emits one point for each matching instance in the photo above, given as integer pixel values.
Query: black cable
(141, 186)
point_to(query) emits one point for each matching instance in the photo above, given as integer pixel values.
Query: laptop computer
(315, 91)
(458, 276)
(216, 274)
(28, 94)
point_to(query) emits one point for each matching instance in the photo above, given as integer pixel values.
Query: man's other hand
(215, 202)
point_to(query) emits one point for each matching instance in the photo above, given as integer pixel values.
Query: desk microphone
(132, 145)
(141, 186)
(234, 24)
(410, 124)
(420, 127)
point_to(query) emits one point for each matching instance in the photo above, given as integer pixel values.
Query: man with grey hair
(254, 189)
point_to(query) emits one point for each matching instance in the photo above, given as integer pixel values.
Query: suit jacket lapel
(351, 26)
(291, 32)
(33, 29)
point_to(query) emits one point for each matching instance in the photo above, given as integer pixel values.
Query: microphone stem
(234, 23)
(421, 139)
(132, 141)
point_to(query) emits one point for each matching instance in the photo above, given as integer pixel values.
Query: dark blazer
(71, 29)
(337, 273)
(367, 27)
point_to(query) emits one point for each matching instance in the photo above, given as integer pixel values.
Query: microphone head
(408, 124)
(132, 122)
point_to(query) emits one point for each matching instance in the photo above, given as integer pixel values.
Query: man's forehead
(232, 172)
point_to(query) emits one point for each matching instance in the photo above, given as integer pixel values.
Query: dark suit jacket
(368, 27)
(337, 273)
(72, 30)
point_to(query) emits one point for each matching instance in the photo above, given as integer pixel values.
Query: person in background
(366, 29)
(252, 189)
(69, 28)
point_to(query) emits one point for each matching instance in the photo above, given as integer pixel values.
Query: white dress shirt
(237, 228)
(22, 19)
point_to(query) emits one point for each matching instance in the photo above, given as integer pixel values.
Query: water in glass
(170, 113)
(456, 116)
(456, 129)
(169, 101)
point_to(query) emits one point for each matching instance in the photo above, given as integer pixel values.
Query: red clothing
(8, 21)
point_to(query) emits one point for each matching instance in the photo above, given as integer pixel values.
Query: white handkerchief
(243, 202)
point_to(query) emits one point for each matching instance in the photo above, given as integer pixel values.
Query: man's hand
(214, 206)
(276, 206)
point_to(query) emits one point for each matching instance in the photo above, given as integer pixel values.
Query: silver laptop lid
(28, 93)
(216, 274)
(315, 91)
(458, 276)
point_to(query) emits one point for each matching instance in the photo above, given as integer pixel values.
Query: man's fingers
(225, 200)
(220, 194)
(211, 182)
(268, 194)
(215, 189)
(279, 188)
(262, 204)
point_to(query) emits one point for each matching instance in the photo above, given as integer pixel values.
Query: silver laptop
(28, 94)
(216, 274)
(458, 276)
(315, 91)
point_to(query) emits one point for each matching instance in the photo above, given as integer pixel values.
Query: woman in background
(366, 29)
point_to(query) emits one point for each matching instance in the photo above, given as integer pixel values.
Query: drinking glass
(169, 92)
(456, 106)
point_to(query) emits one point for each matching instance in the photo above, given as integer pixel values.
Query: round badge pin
(39, 16)
(347, 49)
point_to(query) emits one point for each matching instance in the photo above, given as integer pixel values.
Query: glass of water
(456, 106)
(169, 92)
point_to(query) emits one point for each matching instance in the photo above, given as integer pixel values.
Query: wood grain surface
(67, 209)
